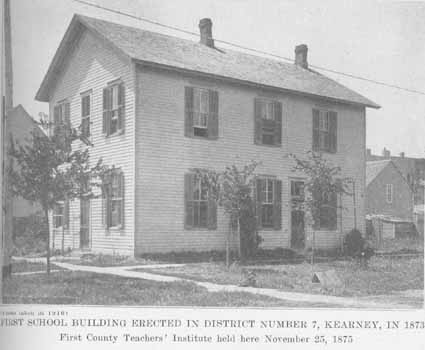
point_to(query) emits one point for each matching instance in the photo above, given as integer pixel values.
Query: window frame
(268, 194)
(196, 197)
(389, 193)
(115, 108)
(110, 196)
(267, 202)
(203, 194)
(327, 206)
(198, 113)
(269, 125)
(324, 131)
(62, 105)
(61, 217)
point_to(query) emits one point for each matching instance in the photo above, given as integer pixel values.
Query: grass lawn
(67, 287)
(383, 276)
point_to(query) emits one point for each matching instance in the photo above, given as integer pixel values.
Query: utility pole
(7, 223)
(3, 118)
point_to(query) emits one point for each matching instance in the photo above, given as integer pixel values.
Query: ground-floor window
(269, 198)
(113, 199)
(200, 209)
(61, 214)
(328, 213)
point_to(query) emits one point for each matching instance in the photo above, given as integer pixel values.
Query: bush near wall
(29, 235)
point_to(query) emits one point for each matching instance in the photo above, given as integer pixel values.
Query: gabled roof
(169, 52)
(374, 168)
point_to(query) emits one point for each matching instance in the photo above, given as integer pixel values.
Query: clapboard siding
(91, 66)
(164, 154)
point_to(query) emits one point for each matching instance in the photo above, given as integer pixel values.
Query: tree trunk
(313, 247)
(239, 239)
(46, 213)
(228, 233)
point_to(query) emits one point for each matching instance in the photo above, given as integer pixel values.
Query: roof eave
(251, 83)
(42, 94)
(75, 28)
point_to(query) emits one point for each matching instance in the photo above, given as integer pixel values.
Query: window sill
(190, 228)
(202, 138)
(269, 229)
(114, 229)
(266, 145)
(116, 133)
(323, 151)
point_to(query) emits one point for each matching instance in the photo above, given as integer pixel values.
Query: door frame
(293, 178)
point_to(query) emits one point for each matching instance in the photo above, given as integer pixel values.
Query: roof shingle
(150, 47)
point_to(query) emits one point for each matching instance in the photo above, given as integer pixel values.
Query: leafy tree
(323, 181)
(48, 170)
(232, 190)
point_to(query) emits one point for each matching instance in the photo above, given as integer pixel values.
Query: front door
(84, 223)
(297, 215)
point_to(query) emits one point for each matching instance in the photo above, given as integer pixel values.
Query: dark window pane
(268, 139)
(196, 218)
(203, 132)
(267, 215)
(203, 214)
(116, 213)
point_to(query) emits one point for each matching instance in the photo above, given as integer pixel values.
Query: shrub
(29, 235)
(357, 247)
(353, 243)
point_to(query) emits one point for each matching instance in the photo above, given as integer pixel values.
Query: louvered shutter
(106, 193)
(188, 111)
(67, 120)
(212, 214)
(333, 130)
(277, 205)
(121, 110)
(189, 180)
(56, 115)
(333, 212)
(278, 123)
(213, 115)
(258, 122)
(259, 201)
(107, 104)
(56, 119)
(316, 130)
(66, 214)
(121, 194)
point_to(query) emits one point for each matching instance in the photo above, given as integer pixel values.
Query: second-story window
(268, 122)
(61, 117)
(201, 113)
(85, 114)
(324, 131)
(113, 109)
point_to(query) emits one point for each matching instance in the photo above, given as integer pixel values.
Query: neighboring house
(157, 107)
(20, 126)
(387, 191)
(413, 170)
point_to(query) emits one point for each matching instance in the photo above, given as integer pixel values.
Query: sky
(380, 40)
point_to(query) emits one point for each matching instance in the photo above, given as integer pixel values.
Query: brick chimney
(402, 154)
(386, 153)
(205, 29)
(301, 55)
